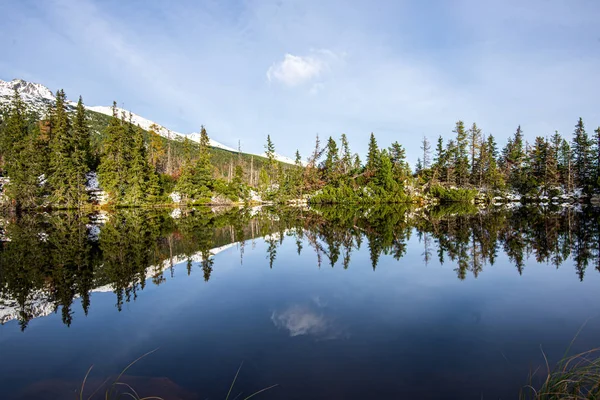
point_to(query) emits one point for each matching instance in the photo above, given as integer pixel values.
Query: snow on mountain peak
(26, 89)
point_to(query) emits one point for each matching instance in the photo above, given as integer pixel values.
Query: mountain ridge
(39, 97)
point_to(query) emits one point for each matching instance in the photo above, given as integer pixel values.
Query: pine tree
(439, 160)
(462, 159)
(346, 157)
(565, 164)
(272, 162)
(296, 178)
(373, 155)
(581, 155)
(357, 164)
(19, 149)
(556, 141)
(551, 167)
(140, 172)
(475, 144)
(384, 177)
(330, 165)
(537, 160)
(451, 162)
(116, 155)
(311, 172)
(62, 176)
(418, 166)
(156, 149)
(82, 156)
(492, 175)
(513, 158)
(400, 167)
(196, 181)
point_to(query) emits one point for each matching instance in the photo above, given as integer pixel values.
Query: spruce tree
(514, 156)
(461, 167)
(400, 167)
(439, 160)
(296, 176)
(272, 162)
(311, 172)
(331, 163)
(492, 175)
(346, 157)
(475, 147)
(196, 182)
(81, 156)
(114, 162)
(384, 177)
(565, 165)
(63, 176)
(373, 155)
(19, 147)
(139, 178)
(156, 149)
(581, 155)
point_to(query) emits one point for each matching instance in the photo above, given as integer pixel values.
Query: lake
(328, 303)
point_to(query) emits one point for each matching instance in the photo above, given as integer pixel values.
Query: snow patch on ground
(176, 197)
(176, 213)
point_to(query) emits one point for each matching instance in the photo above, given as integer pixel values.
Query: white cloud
(296, 70)
(301, 320)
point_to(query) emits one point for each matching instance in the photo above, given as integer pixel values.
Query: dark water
(328, 304)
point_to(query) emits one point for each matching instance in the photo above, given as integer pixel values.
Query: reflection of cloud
(303, 320)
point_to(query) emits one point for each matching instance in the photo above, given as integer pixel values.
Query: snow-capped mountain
(38, 97)
(161, 130)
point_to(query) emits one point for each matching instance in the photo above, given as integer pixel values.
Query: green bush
(453, 195)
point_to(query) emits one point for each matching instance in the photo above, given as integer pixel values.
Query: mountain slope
(38, 97)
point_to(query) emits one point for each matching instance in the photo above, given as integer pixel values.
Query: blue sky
(292, 69)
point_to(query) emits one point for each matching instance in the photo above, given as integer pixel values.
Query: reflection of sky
(300, 320)
(307, 319)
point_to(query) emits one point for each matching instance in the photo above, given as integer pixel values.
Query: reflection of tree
(53, 259)
(463, 235)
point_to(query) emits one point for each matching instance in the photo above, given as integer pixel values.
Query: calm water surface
(328, 304)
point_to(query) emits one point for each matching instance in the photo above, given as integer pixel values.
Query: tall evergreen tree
(582, 155)
(143, 182)
(116, 156)
(156, 149)
(196, 181)
(439, 160)
(346, 156)
(82, 155)
(63, 173)
(492, 176)
(330, 165)
(19, 147)
(272, 162)
(475, 147)
(461, 166)
(372, 156)
(400, 167)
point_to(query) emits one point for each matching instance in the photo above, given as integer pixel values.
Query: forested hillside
(51, 158)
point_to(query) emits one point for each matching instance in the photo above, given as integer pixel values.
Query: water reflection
(310, 319)
(48, 260)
